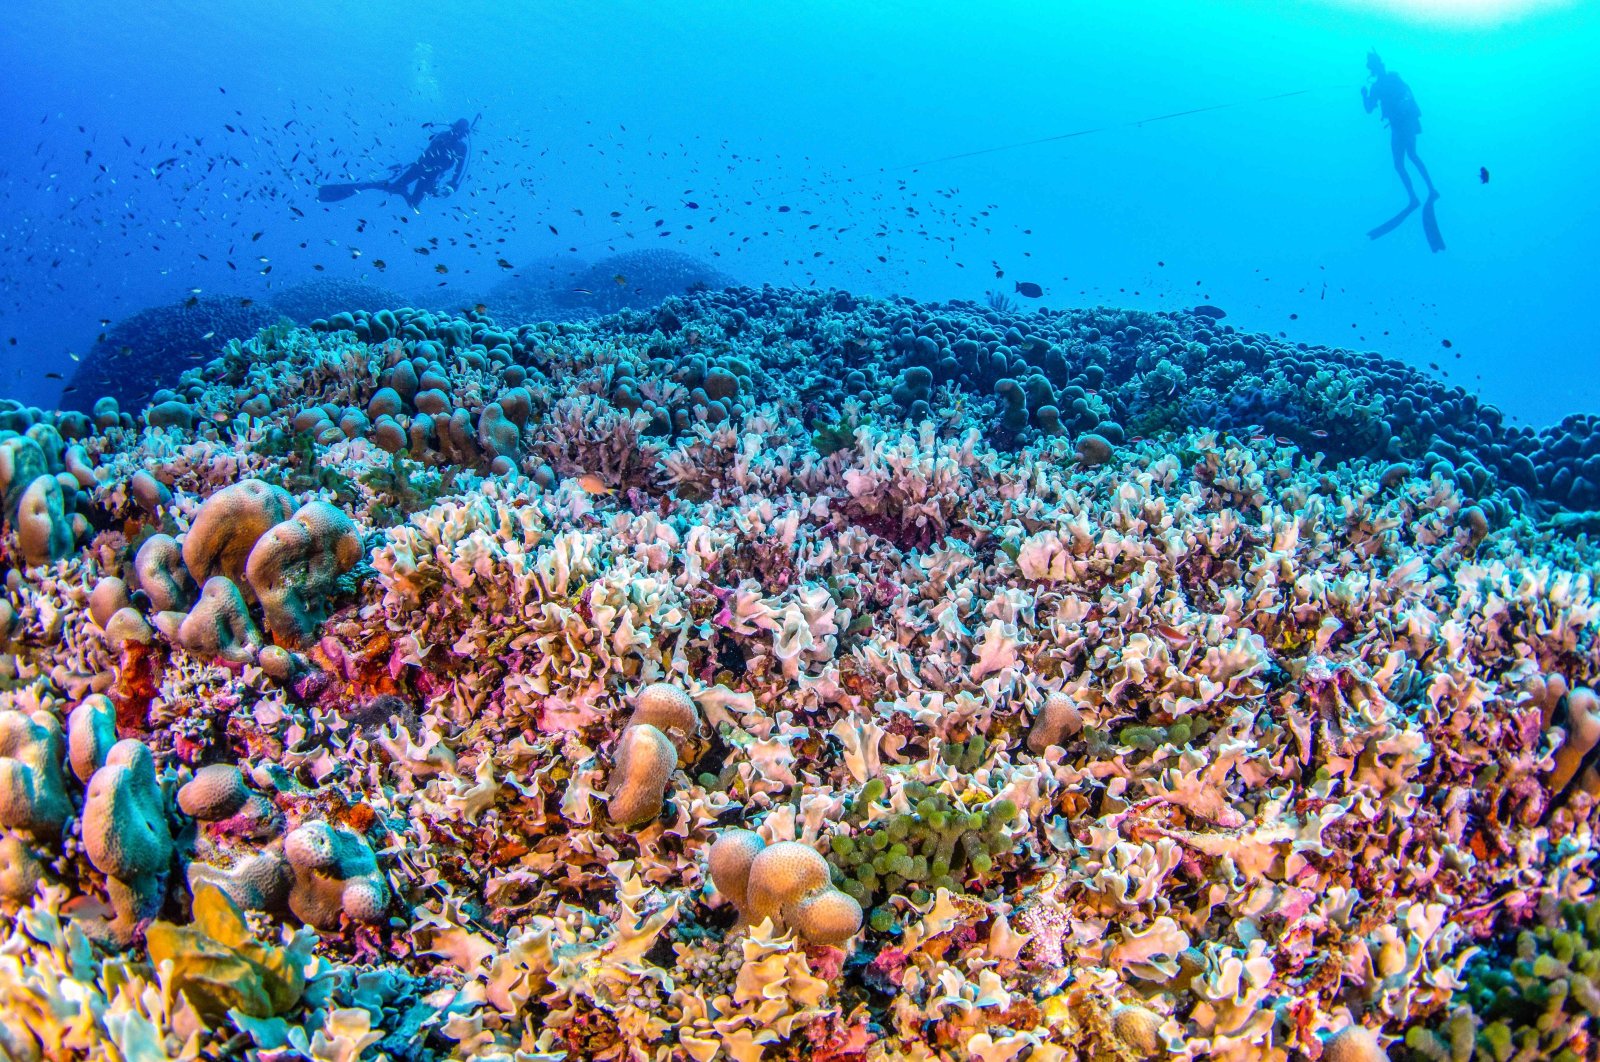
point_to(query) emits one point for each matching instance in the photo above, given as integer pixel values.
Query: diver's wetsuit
(448, 149)
(1404, 118)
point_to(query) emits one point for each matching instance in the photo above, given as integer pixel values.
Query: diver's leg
(401, 184)
(1398, 145)
(1411, 152)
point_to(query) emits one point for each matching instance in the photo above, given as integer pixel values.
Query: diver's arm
(1369, 98)
(461, 169)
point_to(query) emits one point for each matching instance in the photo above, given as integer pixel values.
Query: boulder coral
(787, 882)
(336, 876)
(1058, 720)
(45, 532)
(126, 834)
(645, 760)
(1354, 1043)
(663, 726)
(34, 805)
(228, 526)
(219, 625)
(293, 568)
(158, 569)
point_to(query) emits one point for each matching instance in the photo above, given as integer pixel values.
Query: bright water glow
(1474, 13)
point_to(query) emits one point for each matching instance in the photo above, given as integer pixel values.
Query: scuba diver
(1404, 118)
(448, 149)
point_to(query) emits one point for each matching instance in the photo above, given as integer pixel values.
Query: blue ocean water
(1219, 154)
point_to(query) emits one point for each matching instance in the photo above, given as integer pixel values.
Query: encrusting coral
(776, 675)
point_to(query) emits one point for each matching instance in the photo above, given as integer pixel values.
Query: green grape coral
(938, 844)
(1534, 997)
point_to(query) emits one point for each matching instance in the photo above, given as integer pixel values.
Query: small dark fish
(1029, 290)
(503, 264)
(582, 291)
(380, 263)
(1216, 313)
(1483, 175)
(441, 268)
(691, 204)
(52, 376)
(619, 280)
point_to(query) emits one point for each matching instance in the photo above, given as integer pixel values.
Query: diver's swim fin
(1430, 225)
(333, 193)
(1392, 224)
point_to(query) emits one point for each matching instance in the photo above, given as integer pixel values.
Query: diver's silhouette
(1404, 119)
(449, 149)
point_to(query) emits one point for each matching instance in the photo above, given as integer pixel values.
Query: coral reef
(325, 296)
(135, 358)
(785, 675)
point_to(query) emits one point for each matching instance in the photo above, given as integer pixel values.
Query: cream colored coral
(1582, 726)
(158, 567)
(91, 731)
(335, 873)
(294, 565)
(645, 761)
(1138, 1029)
(1354, 1043)
(33, 799)
(215, 792)
(657, 738)
(228, 526)
(108, 595)
(731, 855)
(1058, 721)
(219, 626)
(44, 531)
(787, 882)
(33, 796)
(125, 832)
(668, 708)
